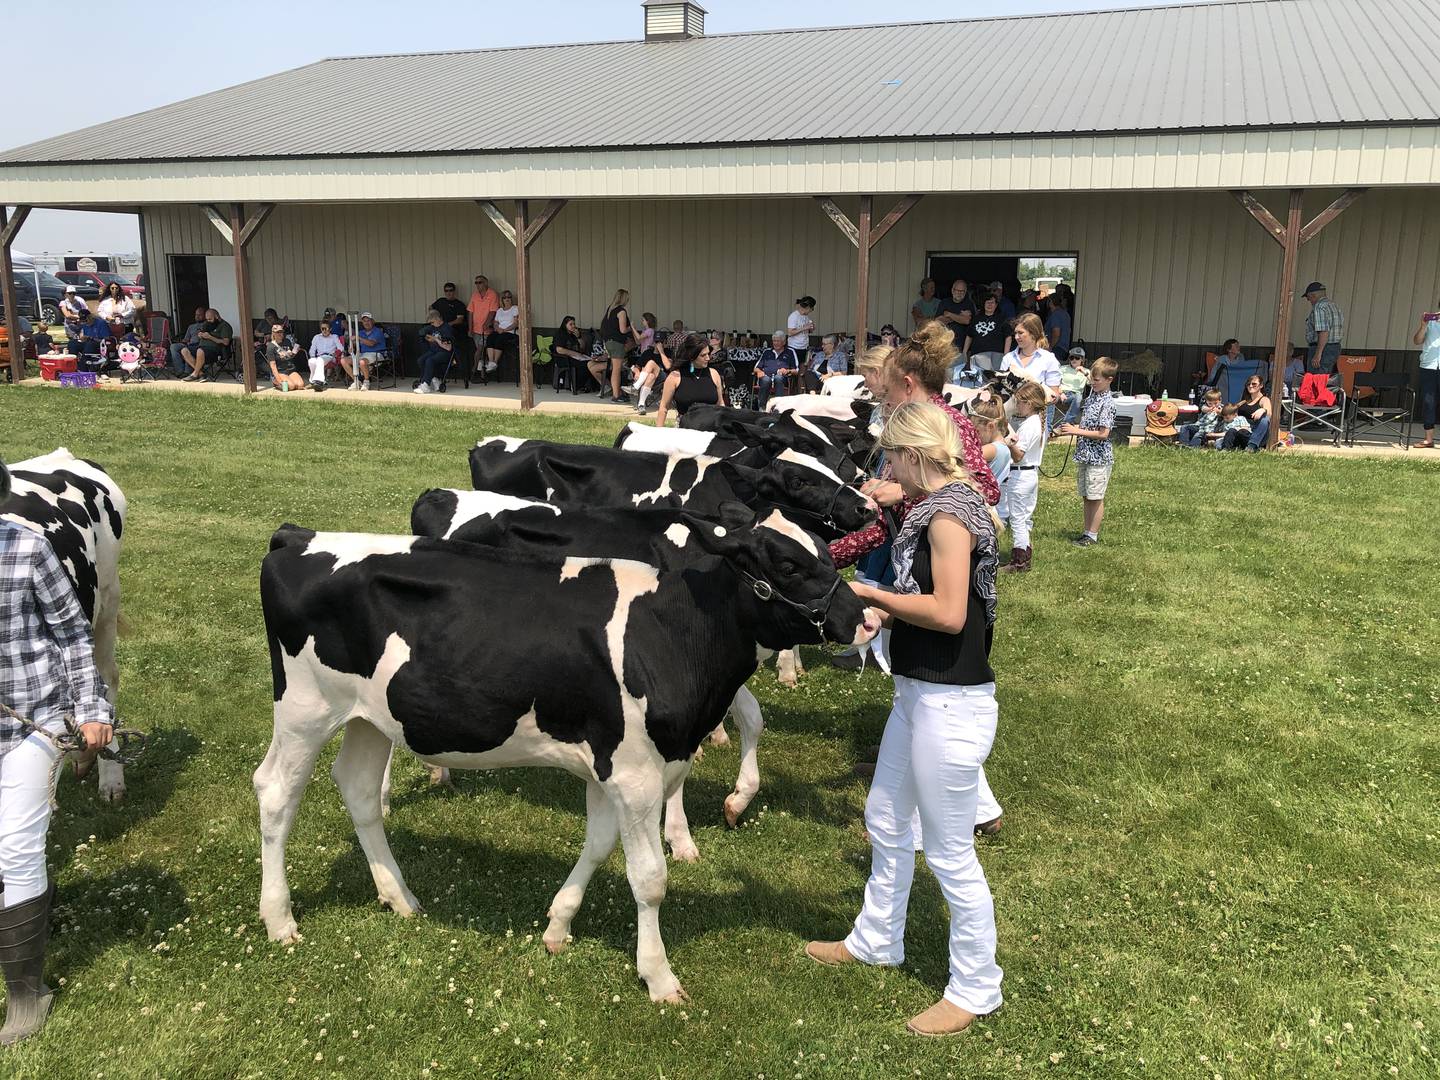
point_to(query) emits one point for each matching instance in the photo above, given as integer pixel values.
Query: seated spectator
(1207, 425)
(262, 325)
(116, 308)
(212, 340)
(889, 336)
(88, 347)
(677, 337)
(371, 340)
(826, 364)
(692, 382)
(505, 322)
(647, 334)
(1074, 378)
(435, 360)
(284, 357)
(191, 338)
(987, 338)
(1251, 423)
(567, 348)
(1229, 354)
(774, 368)
(651, 375)
(324, 347)
(1294, 373)
(73, 311)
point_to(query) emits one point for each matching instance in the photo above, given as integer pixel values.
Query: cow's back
(80, 509)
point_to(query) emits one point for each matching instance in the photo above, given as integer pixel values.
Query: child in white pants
(1022, 487)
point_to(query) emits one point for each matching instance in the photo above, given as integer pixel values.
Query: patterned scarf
(969, 506)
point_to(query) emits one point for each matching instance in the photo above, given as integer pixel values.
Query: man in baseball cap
(1004, 308)
(1324, 330)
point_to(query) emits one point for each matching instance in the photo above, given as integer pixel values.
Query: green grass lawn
(1218, 756)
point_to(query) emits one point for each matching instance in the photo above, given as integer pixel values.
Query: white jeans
(1023, 489)
(27, 774)
(935, 741)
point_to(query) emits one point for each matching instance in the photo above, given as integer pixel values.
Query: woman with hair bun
(942, 725)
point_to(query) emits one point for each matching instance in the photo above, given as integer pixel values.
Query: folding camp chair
(224, 364)
(1347, 367)
(1295, 414)
(157, 354)
(1370, 412)
(1236, 375)
(389, 360)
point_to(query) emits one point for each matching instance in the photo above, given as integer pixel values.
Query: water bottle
(1164, 395)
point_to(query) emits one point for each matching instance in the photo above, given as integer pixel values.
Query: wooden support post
(243, 330)
(522, 300)
(862, 272)
(1291, 237)
(9, 227)
(1282, 318)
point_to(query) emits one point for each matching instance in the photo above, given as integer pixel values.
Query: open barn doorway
(1016, 272)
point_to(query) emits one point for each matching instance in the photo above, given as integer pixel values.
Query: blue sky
(179, 52)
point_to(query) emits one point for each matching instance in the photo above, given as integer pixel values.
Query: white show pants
(1023, 490)
(935, 741)
(317, 369)
(27, 777)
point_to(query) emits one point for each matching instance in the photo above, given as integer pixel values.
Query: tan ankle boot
(829, 953)
(941, 1019)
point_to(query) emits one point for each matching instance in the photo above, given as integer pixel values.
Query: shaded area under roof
(1194, 67)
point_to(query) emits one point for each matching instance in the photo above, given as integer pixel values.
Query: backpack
(1314, 390)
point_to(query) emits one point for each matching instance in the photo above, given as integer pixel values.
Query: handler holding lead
(942, 724)
(48, 673)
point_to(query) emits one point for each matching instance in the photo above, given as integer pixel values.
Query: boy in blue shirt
(1094, 456)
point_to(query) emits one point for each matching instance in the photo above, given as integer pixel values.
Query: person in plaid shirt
(1094, 456)
(49, 673)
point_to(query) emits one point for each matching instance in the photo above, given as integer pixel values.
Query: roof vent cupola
(673, 20)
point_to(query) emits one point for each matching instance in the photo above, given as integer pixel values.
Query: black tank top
(696, 387)
(1247, 409)
(610, 325)
(961, 659)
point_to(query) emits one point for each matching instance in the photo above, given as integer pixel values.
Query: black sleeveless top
(1248, 409)
(961, 659)
(696, 387)
(610, 325)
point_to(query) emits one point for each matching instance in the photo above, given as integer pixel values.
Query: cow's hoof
(112, 793)
(555, 946)
(384, 809)
(405, 906)
(439, 777)
(685, 851)
(699, 754)
(287, 933)
(675, 995)
(733, 810)
(789, 682)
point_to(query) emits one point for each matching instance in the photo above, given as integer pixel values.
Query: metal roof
(1228, 65)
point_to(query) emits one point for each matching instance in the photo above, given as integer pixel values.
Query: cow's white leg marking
(357, 772)
(787, 666)
(799, 662)
(677, 828)
(602, 829)
(638, 799)
(751, 722)
(279, 782)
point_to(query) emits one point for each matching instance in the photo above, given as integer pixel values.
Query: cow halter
(766, 592)
(827, 517)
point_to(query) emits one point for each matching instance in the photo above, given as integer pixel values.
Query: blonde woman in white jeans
(943, 721)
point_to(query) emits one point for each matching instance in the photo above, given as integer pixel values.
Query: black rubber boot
(24, 933)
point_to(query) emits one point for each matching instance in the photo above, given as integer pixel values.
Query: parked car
(52, 291)
(24, 296)
(90, 284)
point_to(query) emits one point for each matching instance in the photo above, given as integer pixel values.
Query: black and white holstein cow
(736, 436)
(76, 506)
(660, 537)
(386, 636)
(566, 474)
(851, 433)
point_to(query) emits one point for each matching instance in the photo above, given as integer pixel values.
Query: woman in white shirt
(800, 326)
(324, 347)
(506, 319)
(1029, 358)
(116, 307)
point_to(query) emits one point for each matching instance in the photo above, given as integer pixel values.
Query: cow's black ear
(743, 479)
(714, 537)
(736, 515)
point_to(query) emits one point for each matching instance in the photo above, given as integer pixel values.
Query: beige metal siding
(1263, 159)
(1189, 268)
(694, 21)
(661, 21)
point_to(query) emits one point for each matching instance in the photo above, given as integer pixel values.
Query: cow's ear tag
(719, 530)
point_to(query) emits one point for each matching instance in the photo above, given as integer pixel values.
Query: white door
(220, 284)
